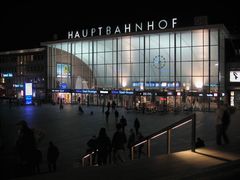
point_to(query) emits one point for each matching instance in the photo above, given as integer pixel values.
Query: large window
(190, 56)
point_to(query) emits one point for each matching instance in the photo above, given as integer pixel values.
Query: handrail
(89, 155)
(167, 130)
(148, 139)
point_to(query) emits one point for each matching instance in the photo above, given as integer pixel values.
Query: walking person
(108, 106)
(79, 100)
(113, 105)
(92, 147)
(52, 156)
(107, 116)
(116, 113)
(218, 122)
(61, 104)
(26, 146)
(225, 123)
(80, 108)
(136, 125)
(104, 147)
(118, 144)
(222, 123)
(37, 161)
(123, 122)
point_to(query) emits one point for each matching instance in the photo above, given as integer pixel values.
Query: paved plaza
(70, 130)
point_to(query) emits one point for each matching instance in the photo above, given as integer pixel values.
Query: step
(173, 166)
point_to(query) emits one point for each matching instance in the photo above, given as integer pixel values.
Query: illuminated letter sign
(125, 28)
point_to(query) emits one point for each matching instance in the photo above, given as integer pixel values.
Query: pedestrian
(136, 125)
(61, 104)
(116, 113)
(79, 100)
(52, 156)
(218, 122)
(118, 144)
(104, 147)
(92, 147)
(143, 108)
(199, 143)
(225, 123)
(107, 116)
(80, 108)
(123, 122)
(222, 123)
(113, 105)
(108, 106)
(37, 161)
(26, 146)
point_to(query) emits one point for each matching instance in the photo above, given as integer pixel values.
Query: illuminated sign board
(123, 29)
(157, 84)
(209, 95)
(18, 85)
(125, 92)
(89, 91)
(147, 93)
(28, 89)
(115, 92)
(28, 93)
(103, 92)
(7, 75)
(61, 90)
(234, 76)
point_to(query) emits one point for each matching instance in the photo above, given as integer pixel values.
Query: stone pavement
(70, 130)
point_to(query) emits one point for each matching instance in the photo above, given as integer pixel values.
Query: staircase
(211, 162)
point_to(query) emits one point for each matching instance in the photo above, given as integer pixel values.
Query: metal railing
(88, 157)
(167, 130)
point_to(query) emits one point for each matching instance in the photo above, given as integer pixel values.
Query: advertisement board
(28, 93)
(63, 70)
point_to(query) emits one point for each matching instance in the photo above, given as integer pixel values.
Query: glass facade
(183, 61)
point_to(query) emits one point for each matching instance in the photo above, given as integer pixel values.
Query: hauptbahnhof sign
(123, 29)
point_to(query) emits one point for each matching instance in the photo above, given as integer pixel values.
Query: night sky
(24, 24)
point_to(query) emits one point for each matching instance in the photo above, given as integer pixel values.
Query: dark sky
(25, 23)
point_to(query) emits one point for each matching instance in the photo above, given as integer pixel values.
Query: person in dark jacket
(52, 156)
(103, 146)
(136, 125)
(92, 147)
(26, 146)
(118, 144)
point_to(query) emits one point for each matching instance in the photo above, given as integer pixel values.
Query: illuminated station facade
(154, 64)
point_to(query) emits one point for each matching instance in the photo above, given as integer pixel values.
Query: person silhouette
(136, 125)
(52, 156)
(199, 143)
